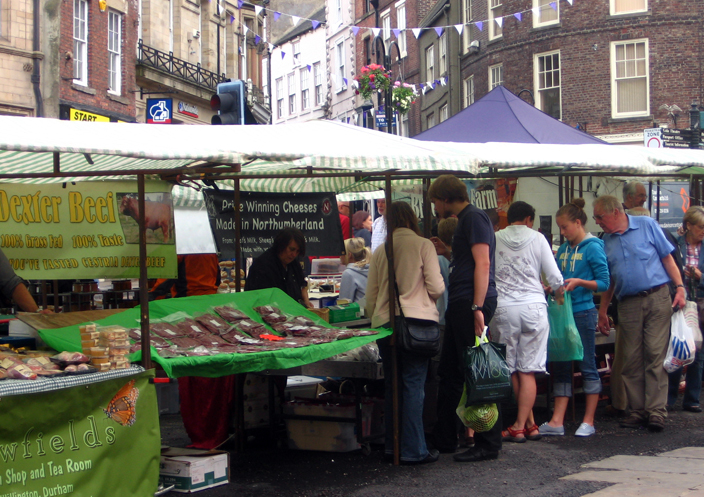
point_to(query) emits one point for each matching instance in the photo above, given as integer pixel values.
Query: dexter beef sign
(263, 215)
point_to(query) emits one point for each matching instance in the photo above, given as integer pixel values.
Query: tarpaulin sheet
(68, 338)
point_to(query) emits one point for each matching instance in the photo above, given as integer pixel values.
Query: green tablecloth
(68, 338)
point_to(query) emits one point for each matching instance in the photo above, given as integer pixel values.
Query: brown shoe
(656, 423)
(633, 421)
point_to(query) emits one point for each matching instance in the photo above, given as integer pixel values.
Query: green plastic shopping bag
(564, 343)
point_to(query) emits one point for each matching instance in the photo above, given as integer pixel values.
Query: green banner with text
(98, 439)
(86, 230)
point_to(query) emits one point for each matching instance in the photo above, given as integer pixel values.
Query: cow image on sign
(157, 215)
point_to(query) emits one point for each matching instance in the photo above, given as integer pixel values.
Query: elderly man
(379, 225)
(641, 266)
(634, 195)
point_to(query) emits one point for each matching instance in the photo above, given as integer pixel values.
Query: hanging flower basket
(372, 78)
(402, 96)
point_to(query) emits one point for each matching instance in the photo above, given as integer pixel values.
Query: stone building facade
(17, 57)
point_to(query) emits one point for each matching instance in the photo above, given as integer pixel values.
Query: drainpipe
(36, 78)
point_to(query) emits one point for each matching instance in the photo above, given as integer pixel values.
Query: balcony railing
(166, 62)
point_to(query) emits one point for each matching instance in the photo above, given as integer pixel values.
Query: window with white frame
(496, 11)
(430, 63)
(386, 25)
(80, 42)
(628, 6)
(468, 91)
(496, 76)
(544, 14)
(401, 25)
(405, 131)
(466, 20)
(546, 69)
(296, 52)
(114, 52)
(280, 97)
(338, 10)
(442, 45)
(305, 90)
(630, 79)
(444, 113)
(430, 121)
(292, 93)
(318, 82)
(341, 72)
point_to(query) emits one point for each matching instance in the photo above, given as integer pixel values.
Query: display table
(92, 434)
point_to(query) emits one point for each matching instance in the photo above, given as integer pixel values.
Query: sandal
(533, 433)
(511, 435)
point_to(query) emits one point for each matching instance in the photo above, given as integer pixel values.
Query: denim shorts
(524, 329)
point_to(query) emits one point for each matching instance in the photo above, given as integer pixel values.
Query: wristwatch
(476, 307)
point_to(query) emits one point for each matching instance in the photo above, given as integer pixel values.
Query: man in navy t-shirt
(471, 305)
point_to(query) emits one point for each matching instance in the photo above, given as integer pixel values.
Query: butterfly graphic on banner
(122, 407)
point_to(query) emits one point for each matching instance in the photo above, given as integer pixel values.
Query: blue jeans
(413, 371)
(562, 387)
(693, 382)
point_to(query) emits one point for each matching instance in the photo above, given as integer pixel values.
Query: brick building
(606, 66)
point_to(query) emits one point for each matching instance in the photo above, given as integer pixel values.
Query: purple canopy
(500, 116)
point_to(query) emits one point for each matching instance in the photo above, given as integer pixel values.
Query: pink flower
(365, 70)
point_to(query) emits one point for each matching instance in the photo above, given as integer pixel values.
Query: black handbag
(420, 337)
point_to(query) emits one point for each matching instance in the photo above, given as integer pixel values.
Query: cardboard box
(341, 313)
(191, 470)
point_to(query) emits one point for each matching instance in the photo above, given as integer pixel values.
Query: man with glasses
(634, 195)
(641, 266)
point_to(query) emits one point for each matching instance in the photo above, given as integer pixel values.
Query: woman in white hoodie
(521, 317)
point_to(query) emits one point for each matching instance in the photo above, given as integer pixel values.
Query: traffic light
(229, 102)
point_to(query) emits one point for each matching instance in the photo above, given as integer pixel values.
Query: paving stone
(650, 463)
(632, 477)
(688, 452)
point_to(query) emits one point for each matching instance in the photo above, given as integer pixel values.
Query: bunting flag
(315, 24)
(355, 30)
(309, 67)
(500, 21)
(518, 16)
(345, 81)
(240, 3)
(459, 28)
(271, 47)
(553, 6)
(376, 31)
(535, 11)
(257, 39)
(232, 19)
(443, 81)
(397, 32)
(258, 9)
(439, 31)
(479, 25)
(277, 15)
(570, 2)
(283, 54)
(416, 32)
(245, 29)
(295, 19)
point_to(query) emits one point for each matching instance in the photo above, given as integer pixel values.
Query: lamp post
(386, 62)
(694, 125)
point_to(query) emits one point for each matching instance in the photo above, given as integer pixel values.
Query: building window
(496, 76)
(443, 53)
(629, 79)
(305, 91)
(114, 52)
(544, 14)
(468, 91)
(340, 52)
(496, 11)
(547, 83)
(386, 25)
(628, 6)
(401, 25)
(80, 42)
(444, 113)
(296, 52)
(338, 11)
(430, 63)
(367, 50)
(318, 82)
(291, 94)
(430, 121)
(466, 20)
(280, 97)
(367, 6)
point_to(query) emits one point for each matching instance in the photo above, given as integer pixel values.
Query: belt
(645, 293)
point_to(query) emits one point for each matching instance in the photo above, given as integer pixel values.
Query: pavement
(614, 462)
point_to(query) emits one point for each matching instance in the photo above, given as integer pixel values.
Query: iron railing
(166, 62)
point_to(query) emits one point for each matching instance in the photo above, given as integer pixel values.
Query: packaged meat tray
(213, 323)
(230, 314)
(274, 317)
(210, 340)
(190, 328)
(301, 320)
(252, 328)
(165, 330)
(265, 310)
(185, 342)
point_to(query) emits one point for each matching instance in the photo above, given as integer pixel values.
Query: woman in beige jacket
(420, 284)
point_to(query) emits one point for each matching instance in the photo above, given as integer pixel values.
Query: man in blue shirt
(641, 266)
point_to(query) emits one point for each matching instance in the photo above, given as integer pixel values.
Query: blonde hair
(446, 230)
(694, 215)
(355, 247)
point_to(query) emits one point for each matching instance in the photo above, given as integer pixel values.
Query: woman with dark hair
(583, 264)
(362, 225)
(280, 267)
(420, 284)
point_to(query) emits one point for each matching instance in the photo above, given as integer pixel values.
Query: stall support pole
(560, 202)
(392, 321)
(427, 213)
(238, 234)
(239, 378)
(143, 283)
